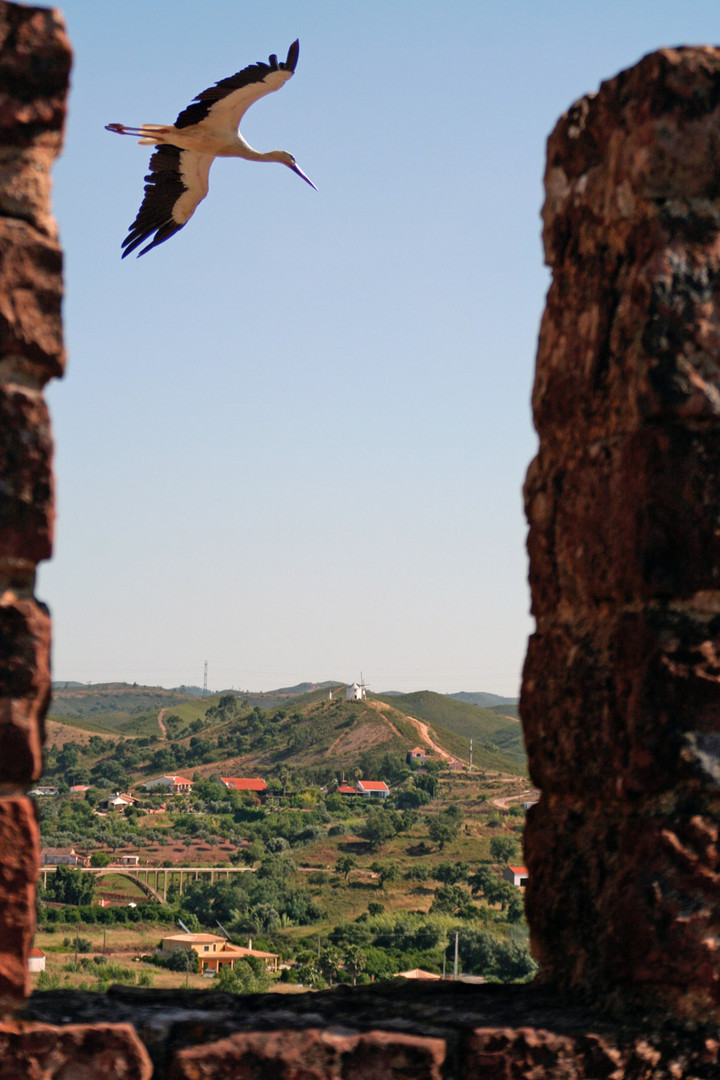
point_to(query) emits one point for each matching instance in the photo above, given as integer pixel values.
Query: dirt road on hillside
(421, 728)
(161, 723)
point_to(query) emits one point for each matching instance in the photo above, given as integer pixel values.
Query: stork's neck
(245, 150)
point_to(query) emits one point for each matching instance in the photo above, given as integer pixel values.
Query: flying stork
(206, 129)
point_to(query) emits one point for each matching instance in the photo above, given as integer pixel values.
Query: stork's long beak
(298, 170)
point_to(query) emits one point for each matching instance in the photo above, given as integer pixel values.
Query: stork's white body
(206, 129)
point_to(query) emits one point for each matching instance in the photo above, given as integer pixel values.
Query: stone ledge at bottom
(381, 1032)
(73, 1052)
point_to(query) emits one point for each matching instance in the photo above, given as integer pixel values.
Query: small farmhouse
(372, 789)
(416, 756)
(127, 860)
(176, 785)
(43, 790)
(118, 803)
(345, 789)
(516, 875)
(36, 960)
(63, 857)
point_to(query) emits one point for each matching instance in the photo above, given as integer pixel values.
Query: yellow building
(214, 952)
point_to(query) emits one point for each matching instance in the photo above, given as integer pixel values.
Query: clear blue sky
(292, 440)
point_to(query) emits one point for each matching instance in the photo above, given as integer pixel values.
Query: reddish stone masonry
(620, 696)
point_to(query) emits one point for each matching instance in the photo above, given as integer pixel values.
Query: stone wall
(620, 690)
(34, 70)
(621, 693)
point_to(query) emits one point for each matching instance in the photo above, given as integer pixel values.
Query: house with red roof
(372, 789)
(251, 785)
(345, 789)
(516, 875)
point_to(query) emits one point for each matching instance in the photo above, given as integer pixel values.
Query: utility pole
(471, 753)
(455, 965)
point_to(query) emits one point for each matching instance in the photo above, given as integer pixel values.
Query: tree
(503, 848)
(345, 864)
(443, 829)
(183, 959)
(389, 873)
(330, 961)
(354, 960)
(70, 886)
(450, 873)
(100, 858)
(378, 828)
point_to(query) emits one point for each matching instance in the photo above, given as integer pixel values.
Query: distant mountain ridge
(484, 700)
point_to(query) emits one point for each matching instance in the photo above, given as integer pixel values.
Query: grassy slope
(460, 722)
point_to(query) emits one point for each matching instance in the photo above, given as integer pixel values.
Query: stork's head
(287, 159)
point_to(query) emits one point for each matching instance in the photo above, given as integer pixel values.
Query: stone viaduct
(620, 699)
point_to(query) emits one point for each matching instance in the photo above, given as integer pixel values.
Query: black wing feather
(196, 112)
(163, 188)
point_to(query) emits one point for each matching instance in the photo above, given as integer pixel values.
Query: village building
(43, 790)
(251, 785)
(36, 960)
(419, 973)
(416, 756)
(372, 789)
(118, 803)
(516, 875)
(345, 789)
(126, 860)
(63, 857)
(79, 789)
(176, 785)
(214, 952)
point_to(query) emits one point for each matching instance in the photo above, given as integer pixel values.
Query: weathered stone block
(35, 58)
(626, 703)
(25, 686)
(610, 525)
(26, 486)
(625, 899)
(30, 301)
(313, 1054)
(72, 1052)
(19, 859)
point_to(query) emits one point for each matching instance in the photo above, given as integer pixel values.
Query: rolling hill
(309, 727)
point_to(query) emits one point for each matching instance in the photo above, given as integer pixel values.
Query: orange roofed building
(253, 785)
(374, 789)
(214, 952)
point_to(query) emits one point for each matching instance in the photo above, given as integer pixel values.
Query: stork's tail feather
(150, 134)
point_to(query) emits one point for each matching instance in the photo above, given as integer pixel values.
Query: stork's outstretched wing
(176, 183)
(225, 103)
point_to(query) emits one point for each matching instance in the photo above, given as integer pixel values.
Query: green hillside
(316, 732)
(490, 731)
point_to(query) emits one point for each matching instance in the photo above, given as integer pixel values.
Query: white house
(354, 692)
(516, 875)
(127, 860)
(174, 784)
(36, 960)
(119, 802)
(372, 789)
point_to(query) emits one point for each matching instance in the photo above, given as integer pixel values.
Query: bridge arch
(118, 871)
